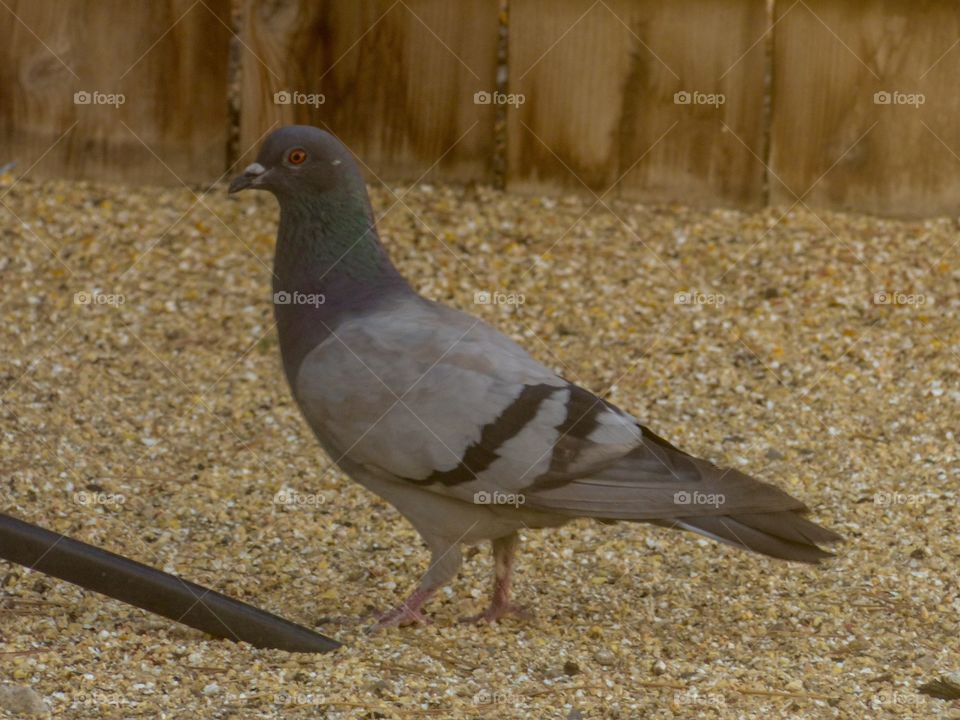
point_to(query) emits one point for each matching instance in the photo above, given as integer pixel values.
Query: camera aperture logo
(484, 497)
(95, 297)
(295, 97)
(486, 297)
(283, 297)
(896, 97)
(483, 97)
(685, 497)
(95, 97)
(695, 97)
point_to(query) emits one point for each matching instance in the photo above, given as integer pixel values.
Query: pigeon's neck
(329, 265)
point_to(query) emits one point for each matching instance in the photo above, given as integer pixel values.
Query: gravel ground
(153, 420)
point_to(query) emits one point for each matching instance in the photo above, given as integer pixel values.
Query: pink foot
(407, 612)
(496, 611)
(401, 616)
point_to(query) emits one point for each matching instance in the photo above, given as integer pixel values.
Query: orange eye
(296, 156)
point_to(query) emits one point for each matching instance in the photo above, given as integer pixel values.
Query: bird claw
(401, 616)
(496, 612)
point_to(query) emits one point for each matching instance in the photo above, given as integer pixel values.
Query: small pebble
(605, 657)
(22, 700)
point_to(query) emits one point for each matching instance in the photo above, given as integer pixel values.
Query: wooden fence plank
(397, 80)
(167, 58)
(599, 81)
(831, 143)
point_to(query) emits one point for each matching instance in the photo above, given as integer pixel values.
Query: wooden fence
(830, 103)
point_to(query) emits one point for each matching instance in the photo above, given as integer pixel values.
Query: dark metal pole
(159, 592)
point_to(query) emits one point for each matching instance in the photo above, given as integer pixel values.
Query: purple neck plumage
(329, 265)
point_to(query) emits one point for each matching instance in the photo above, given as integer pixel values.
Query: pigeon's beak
(250, 178)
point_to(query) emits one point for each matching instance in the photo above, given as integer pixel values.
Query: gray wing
(436, 398)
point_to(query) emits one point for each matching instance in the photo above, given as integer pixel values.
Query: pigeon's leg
(445, 561)
(504, 554)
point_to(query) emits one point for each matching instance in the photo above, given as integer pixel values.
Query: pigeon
(468, 436)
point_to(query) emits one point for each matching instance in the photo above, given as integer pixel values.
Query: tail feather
(785, 535)
(791, 526)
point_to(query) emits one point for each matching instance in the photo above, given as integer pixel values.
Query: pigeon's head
(300, 162)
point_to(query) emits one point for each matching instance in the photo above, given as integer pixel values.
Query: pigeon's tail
(786, 534)
(660, 484)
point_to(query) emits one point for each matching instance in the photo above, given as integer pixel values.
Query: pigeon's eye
(296, 156)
